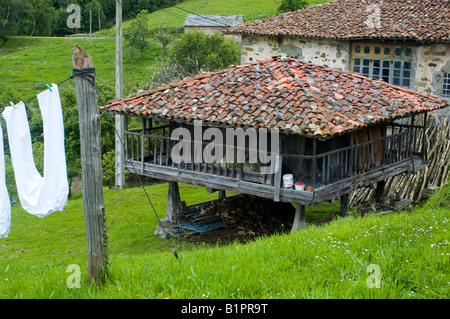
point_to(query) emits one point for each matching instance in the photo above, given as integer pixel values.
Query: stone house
(402, 42)
(211, 24)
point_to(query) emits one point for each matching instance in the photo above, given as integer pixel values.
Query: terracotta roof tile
(419, 20)
(340, 102)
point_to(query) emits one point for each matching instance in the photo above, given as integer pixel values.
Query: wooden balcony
(336, 172)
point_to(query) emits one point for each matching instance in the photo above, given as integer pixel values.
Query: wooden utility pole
(91, 167)
(90, 25)
(119, 158)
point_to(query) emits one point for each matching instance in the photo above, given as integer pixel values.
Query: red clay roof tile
(419, 20)
(344, 103)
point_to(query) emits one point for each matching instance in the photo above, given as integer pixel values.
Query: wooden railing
(152, 149)
(323, 169)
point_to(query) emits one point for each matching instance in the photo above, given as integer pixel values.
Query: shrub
(196, 51)
(291, 5)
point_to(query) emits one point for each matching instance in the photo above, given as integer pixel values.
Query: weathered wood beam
(277, 182)
(344, 205)
(91, 168)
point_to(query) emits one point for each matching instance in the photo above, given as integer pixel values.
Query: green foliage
(327, 262)
(291, 5)
(440, 199)
(166, 71)
(138, 34)
(197, 51)
(10, 179)
(49, 17)
(108, 168)
(165, 36)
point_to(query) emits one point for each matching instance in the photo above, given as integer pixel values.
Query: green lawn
(27, 64)
(409, 249)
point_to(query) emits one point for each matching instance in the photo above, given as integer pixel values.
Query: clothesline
(89, 75)
(58, 84)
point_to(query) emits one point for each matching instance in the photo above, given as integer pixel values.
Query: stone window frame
(446, 84)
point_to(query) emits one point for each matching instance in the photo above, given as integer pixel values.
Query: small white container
(299, 186)
(288, 181)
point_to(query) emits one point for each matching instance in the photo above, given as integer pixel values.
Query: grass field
(409, 249)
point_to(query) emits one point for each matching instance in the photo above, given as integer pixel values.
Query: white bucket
(299, 186)
(288, 181)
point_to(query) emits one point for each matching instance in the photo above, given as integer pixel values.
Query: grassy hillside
(27, 64)
(410, 250)
(174, 17)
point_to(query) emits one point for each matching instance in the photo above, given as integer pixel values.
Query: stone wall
(212, 30)
(333, 54)
(431, 62)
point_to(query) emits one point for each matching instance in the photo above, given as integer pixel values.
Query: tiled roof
(196, 20)
(418, 20)
(280, 92)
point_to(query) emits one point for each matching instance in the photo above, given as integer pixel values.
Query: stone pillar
(173, 201)
(299, 219)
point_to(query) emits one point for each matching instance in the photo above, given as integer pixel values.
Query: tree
(40, 17)
(164, 36)
(137, 36)
(291, 5)
(197, 51)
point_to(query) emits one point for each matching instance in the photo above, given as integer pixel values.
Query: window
(388, 63)
(446, 85)
(394, 72)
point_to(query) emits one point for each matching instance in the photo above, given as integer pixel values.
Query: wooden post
(222, 194)
(278, 177)
(119, 119)
(173, 201)
(299, 219)
(91, 166)
(344, 205)
(313, 165)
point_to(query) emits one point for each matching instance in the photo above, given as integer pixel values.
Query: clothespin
(12, 104)
(48, 86)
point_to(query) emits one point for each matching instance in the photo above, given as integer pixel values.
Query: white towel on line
(5, 203)
(39, 195)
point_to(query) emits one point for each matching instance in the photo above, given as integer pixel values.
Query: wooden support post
(277, 182)
(173, 201)
(91, 169)
(344, 205)
(299, 219)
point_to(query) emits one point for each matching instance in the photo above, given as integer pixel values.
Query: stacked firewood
(420, 185)
(241, 217)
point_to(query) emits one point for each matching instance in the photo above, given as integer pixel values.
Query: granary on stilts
(254, 128)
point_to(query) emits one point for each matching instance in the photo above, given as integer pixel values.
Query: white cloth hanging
(39, 195)
(5, 203)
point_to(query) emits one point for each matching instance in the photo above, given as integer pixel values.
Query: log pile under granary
(241, 218)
